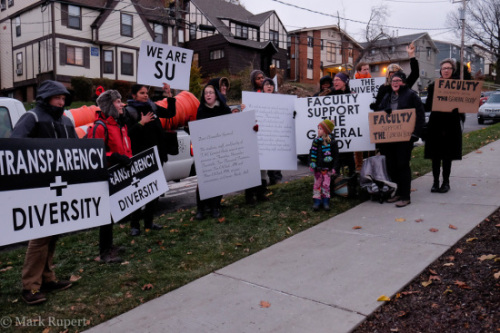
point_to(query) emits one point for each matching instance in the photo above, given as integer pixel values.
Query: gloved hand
(123, 160)
(312, 165)
(388, 111)
(373, 106)
(256, 127)
(454, 111)
(294, 114)
(413, 138)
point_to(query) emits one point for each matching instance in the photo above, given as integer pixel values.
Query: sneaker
(403, 203)
(32, 297)
(55, 286)
(393, 199)
(135, 232)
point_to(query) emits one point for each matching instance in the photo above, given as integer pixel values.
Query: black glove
(123, 160)
(454, 111)
(413, 138)
(186, 128)
(373, 106)
(294, 114)
(388, 110)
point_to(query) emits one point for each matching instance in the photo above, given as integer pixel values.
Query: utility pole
(462, 43)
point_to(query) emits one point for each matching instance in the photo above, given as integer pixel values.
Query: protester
(362, 71)
(257, 80)
(211, 105)
(325, 86)
(145, 131)
(275, 176)
(323, 159)
(110, 126)
(393, 68)
(398, 154)
(46, 120)
(443, 136)
(222, 85)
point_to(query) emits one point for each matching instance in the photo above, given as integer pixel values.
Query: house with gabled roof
(61, 39)
(225, 36)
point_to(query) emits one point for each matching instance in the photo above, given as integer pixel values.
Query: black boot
(445, 187)
(261, 191)
(249, 196)
(435, 187)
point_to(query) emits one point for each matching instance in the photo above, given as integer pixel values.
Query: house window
(158, 29)
(241, 31)
(2, 5)
(74, 17)
(126, 25)
(309, 64)
(289, 41)
(309, 42)
(11, 3)
(429, 53)
(349, 51)
(216, 54)
(321, 44)
(330, 52)
(372, 51)
(391, 49)
(276, 63)
(19, 63)
(18, 26)
(127, 63)
(192, 31)
(375, 68)
(74, 55)
(274, 37)
(109, 64)
(196, 60)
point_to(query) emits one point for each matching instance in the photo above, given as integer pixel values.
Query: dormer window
(241, 31)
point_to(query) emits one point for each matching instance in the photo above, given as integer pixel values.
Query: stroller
(374, 179)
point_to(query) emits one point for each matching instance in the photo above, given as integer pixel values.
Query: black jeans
(147, 214)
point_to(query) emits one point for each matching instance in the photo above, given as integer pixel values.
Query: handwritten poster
(366, 86)
(348, 112)
(160, 63)
(461, 94)
(276, 136)
(395, 127)
(225, 153)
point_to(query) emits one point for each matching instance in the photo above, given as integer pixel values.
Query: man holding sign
(398, 154)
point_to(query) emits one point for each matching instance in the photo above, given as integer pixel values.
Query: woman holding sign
(443, 138)
(146, 131)
(398, 154)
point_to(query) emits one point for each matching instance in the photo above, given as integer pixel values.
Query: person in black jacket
(393, 68)
(145, 131)
(325, 86)
(398, 154)
(46, 120)
(211, 105)
(443, 137)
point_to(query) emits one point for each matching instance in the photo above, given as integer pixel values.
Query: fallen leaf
(5, 269)
(433, 271)
(496, 275)
(256, 215)
(264, 304)
(473, 185)
(383, 298)
(409, 292)
(448, 264)
(479, 152)
(434, 277)
(487, 257)
(356, 227)
(451, 226)
(433, 230)
(132, 242)
(147, 286)
(418, 220)
(471, 239)
(46, 330)
(434, 306)
(74, 278)
(451, 258)
(222, 219)
(400, 219)
(459, 251)
(125, 263)
(447, 291)
(462, 285)
(149, 250)
(303, 212)
(394, 329)
(426, 283)
(400, 314)
(122, 226)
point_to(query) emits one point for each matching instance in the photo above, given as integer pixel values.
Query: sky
(419, 15)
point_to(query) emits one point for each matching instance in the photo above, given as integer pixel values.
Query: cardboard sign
(366, 86)
(276, 136)
(225, 153)
(461, 94)
(132, 187)
(160, 63)
(395, 127)
(51, 186)
(348, 112)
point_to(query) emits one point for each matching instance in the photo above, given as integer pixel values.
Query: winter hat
(343, 77)
(326, 79)
(253, 75)
(268, 80)
(105, 103)
(327, 126)
(401, 75)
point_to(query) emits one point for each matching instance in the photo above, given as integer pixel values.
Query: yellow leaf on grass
(426, 283)
(264, 304)
(487, 257)
(383, 298)
(400, 219)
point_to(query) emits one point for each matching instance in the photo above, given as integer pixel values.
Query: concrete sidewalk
(328, 278)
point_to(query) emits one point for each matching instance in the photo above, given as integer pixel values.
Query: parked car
(427, 113)
(484, 97)
(490, 110)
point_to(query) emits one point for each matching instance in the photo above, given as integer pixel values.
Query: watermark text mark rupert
(6, 322)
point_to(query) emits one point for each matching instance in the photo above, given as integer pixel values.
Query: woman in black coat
(443, 137)
(398, 154)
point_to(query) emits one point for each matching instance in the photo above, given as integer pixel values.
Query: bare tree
(482, 24)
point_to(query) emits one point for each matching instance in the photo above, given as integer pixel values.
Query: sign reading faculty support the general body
(133, 186)
(160, 63)
(348, 112)
(463, 95)
(50, 186)
(395, 127)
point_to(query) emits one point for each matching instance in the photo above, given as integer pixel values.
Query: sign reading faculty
(461, 94)
(395, 127)
(160, 63)
(133, 186)
(49, 187)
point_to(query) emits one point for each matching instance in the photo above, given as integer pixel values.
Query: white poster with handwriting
(367, 86)
(226, 155)
(276, 136)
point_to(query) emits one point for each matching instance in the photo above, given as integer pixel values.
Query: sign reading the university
(395, 127)
(160, 63)
(50, 186)
(132, 187)
(452, 94)
(366, 86)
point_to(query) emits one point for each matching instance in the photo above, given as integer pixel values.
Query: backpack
(91, 131)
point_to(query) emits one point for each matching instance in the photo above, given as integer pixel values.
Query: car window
(5, 123)
(494, 99)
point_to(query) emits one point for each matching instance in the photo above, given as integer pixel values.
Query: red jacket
(117, 140)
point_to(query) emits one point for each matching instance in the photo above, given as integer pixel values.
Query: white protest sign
(348, 112)
(276, 136)
(225, 153)
(367, 86)
(51, 186)
(132, 187)
(160, 63)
